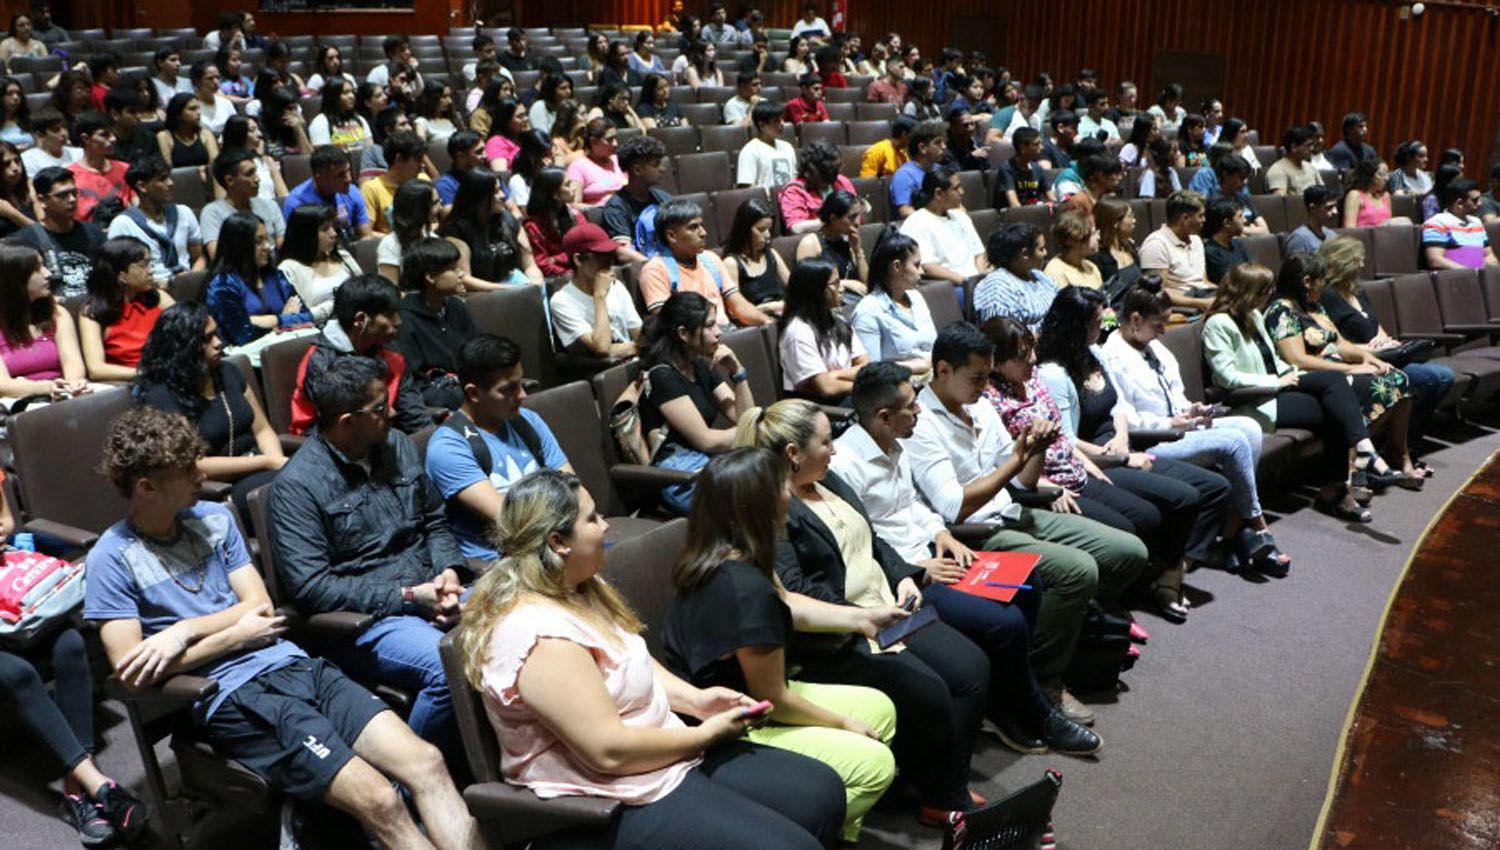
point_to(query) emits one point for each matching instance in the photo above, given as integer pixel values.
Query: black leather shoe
(1068, 738)
(1014, 735)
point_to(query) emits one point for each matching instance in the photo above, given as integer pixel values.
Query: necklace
(825, 511)
(197, 556)
(229, 418)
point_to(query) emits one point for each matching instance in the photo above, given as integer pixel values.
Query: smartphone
(910, 604)
(905, 628)
(760, 709)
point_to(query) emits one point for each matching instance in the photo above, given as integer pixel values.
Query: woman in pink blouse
(581, 708)
(510, 121)
(598, 172)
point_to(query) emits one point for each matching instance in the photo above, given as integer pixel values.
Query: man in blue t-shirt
(928, 143)
(466, 151)
(489, 444)
(330, 185)
(174, 591)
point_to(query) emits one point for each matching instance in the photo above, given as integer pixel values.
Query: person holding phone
(833, 554)
(732, 623)
(584, 710)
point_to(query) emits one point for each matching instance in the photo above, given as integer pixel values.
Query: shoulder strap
(713, 269)
(168, 249)
(522, 426)
(470, 432)
(674, 273)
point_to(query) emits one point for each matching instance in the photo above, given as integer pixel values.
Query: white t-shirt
(801, 358)
(573, 313)
(319, 132)
(436, 129)
(817, 27)
(735, 109)
(164, 92)
(950, 241)
(35, 159)
(519, 190)
(315, 82)
(766, 166)
(187, 233)
(214, 119)
(269, 212)
(388, 252)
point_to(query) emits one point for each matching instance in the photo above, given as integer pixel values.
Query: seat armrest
(1437, 338)
(178, 689)
(290, 443)
(1468, 329)
(214, 491)
(642, 476)
(835, 413)
(973, 534)
(1240, 396)
(333, 624)
(522, 815)
(1141, 438)
(1042, 496)
(75, 537)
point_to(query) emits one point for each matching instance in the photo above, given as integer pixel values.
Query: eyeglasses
(64, 194)
(380, 408)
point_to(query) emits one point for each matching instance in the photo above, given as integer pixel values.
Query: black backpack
(470, 432)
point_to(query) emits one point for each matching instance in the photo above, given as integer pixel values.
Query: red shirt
(885, 91)
(798, 110)
(799, 205)
(124, 339)
(96, 95)
(547, 245)
(95, 188)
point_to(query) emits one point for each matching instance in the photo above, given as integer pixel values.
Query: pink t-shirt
(1372, 213)
(38, 360)
(597, 181)
(530, 754)
(499, 147)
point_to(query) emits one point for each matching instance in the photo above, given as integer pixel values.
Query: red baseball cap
(588, 237)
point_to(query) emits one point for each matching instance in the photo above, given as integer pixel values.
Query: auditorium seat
(1461, 303)
(1263, 249)
(876, 190)
(874, 111)
(702, 114)
(702, 172)
(1035, 214)
(942, 302)
(724, 137)
(832, 132)
(639, 486)
(678, 140)
(1271, 208)
(752, 346)
(868, 132)
(57, 449)
(845, 111)
(726, 203)
(976, 194)
(188, 286)
(1476, 377)
(1395, 250)
(641, 569)
(518, 314)
(278, 372)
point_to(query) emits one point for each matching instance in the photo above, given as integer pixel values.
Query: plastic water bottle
(25, 541)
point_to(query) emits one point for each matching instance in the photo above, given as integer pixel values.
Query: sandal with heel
(1374, 478)
(1169, 602)
(1260, 553)
(1335, 507)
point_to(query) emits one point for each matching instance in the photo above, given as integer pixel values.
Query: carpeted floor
(1224, 740)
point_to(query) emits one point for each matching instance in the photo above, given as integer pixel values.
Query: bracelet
(408, 595)
(739, 377)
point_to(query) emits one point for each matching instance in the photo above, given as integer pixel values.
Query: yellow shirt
(1063, 274)
(882, 160)
(865, 583)
(379, 195)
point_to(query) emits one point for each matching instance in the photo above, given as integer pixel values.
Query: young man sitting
(1175, 251)
(594, 314)
(466, 151)
(887, 155)
(52, 150)
(1294, 172)
(1455, 238)
(1322, 203)
(169, 230)
(67, 245)
(746, 95)
(809, 105)
(404, 152)
(329, 184)
(1057, 150)
(929, 141)
(235, 171)
(127, 114)
(366, 319)
(356, 525)
(99, 177)
(640, 157)
(687, 267)
(175, 591)
(1022, 181)
(490, 443)
(767, 160)
(948, 246)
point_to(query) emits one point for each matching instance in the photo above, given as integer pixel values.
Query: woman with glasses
(248, 296)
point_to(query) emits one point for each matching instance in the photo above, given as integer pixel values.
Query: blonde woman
(584, 710)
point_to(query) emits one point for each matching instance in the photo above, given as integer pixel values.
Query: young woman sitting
(434, 321)
(893, 322)
(39, 353)
(495, 251)
(1077, 239)
(837, 240)
(549, 217)
(121, 307)
(820, 355)
(757, 271)
(248, 297)
(566, 676)
(313, 260)
(415, 213)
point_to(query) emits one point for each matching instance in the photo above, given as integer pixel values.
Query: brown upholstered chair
(519, 315)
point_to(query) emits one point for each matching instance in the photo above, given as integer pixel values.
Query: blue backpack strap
(713, 269)
(674, 273)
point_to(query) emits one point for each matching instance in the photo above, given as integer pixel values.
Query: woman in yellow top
(1076, 238)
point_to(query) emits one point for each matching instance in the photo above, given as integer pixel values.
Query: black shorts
(294, 727)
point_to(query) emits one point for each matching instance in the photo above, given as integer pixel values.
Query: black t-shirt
(512, 62)
(666, 116)
(735, 607)
(492, 256)
(763, 287)
(70, 255)
(213, 423)
(1029, 182)
(1357, 326)
(1218, 260)
(667, 384)
(1096, 421)
(622, 209)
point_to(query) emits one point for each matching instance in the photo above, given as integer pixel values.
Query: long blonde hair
(535, 507)
(1245, 289)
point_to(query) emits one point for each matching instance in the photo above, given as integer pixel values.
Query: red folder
(1001, 567)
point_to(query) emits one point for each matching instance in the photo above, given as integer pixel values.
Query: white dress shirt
(884, 483)
(946, 453)
(1150, 396)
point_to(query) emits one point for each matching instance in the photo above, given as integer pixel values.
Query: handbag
(625, 424)
(37, 592)
(1411, 351)
(1021, 821)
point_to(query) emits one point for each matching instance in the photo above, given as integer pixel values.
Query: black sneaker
(1068, 738)
(1014, 735)
(94, 829)
(128, 814)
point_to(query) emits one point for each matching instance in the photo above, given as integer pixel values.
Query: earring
(796, 467)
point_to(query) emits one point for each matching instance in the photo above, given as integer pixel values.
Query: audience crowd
(166, 227)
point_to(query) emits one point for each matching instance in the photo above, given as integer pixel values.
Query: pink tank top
(1373, 213)
(37, 360)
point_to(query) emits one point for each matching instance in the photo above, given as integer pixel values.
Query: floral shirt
(1285, 320)
(1060, 464)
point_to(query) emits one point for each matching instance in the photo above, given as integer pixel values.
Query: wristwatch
(408, 598)
(739, 377)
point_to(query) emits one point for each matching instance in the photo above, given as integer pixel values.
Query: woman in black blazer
(831, 552)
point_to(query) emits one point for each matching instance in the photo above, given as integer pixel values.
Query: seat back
(570, 411)
(519, 315)
(188, 286)
(1271, 208)
(1460, 300)
(678, 140)
(1263, 249)
(749, 345)
(703, 172)
(607, 386)
(1186, 344)
(260, 527)
(641, 569)
(278, 372)
(481, 747)
(831, 132)
(1416, 304)
(1489, 280)
(1396, 250)
(1367, 237)
(1382, 303)
(942, 302)
(190, 188)
(57, 452)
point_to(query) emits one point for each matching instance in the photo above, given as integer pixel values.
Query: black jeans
(743, 797)
(1003, 631)
(1176, 507)
(1323, 401)
(63, 722)
(939, 684)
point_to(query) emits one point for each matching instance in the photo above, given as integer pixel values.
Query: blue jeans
(1232, 445)
(679, 497)
(1429, 383)
(403, 652)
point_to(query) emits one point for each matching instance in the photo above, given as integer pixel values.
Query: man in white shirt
(397, 49)
(1093, 122)
(767, 160)
(746, 95)
(962, 459)
(594, 314)
(51, 149)
(1175, 251)
(170, 231)
(948, 246)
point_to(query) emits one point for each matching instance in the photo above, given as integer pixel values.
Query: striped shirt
(1463, 240)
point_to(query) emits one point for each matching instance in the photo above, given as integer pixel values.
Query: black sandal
(1260, 553)
(1369, 476)
(1335, 507)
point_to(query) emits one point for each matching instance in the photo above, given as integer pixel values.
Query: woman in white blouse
(893, 321)
(312, 259)
(1149, 382)
(820, 355)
